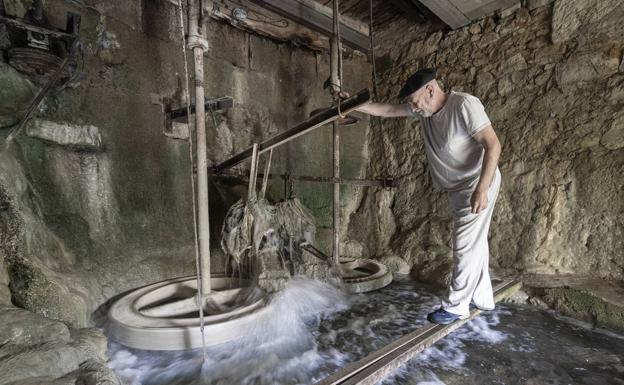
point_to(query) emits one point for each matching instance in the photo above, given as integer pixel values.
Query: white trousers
(471, 254)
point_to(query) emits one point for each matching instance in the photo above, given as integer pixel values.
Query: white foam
(281, 348)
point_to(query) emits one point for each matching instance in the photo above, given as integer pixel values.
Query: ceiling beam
(447, 12)
(265, 23)
(458, 13)
(319, 18)
(410, 9)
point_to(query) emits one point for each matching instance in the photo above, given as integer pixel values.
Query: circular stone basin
(165, 315)
(363, 275)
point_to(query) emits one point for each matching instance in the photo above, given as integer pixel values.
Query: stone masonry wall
(552, 81)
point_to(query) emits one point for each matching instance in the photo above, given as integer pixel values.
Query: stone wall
(99, 197)
(552, 81)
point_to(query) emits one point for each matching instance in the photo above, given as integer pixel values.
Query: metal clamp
(195, 41)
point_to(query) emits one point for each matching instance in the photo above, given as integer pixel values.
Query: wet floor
(315, 331)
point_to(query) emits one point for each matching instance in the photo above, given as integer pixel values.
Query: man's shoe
(443, 317)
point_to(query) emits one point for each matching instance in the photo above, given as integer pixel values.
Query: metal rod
(336, 195)
(316, 252)
(381, 363)
(195, 39)
(265, 179)
(336, 80)
(318, 120)
(251, 192)
(386, 183)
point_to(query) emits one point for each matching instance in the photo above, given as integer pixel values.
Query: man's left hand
(478, 201)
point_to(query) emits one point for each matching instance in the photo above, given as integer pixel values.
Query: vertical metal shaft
(336, 88)
(336, 205)
(198, 43)
(202, 170)
(253, 173)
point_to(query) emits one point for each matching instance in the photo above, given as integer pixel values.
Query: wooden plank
(310, 17)
(381, 363)
(447, 12)
(271, 27)
(344, 20)
(316, 121)
(34, 28)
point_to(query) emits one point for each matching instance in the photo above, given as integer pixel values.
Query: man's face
(421, 100)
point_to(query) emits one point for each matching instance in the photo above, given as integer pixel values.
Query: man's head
(422, 92)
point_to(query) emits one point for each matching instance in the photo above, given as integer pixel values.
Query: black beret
(419, 79)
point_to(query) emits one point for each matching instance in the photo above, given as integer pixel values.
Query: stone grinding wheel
(363, 275)
(165, 315)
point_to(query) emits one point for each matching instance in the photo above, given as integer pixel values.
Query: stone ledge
(593, 300)
(74, 136)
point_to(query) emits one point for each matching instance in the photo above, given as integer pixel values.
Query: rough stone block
(586, 67)
(82, 137)
(178, 130)
(504, 13)
(514, 64)
(532, 4)
(570, 15)
(613, 139)
(16, 93)
(22, 327)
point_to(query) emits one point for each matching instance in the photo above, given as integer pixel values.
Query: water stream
(314, 330)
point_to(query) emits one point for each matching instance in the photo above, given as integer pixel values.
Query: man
(463, 150)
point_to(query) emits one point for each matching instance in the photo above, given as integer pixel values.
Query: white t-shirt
(455, 157)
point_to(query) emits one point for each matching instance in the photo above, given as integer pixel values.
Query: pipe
(198, 44)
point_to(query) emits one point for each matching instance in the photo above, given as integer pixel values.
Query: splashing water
(281, 349)
(313, 331)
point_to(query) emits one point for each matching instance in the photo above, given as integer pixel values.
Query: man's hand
(478, 201)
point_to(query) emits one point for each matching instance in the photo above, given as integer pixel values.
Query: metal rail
(381, 363)
(385, 183)
(304, 127)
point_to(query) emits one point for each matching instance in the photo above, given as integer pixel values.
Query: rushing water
(313, 330)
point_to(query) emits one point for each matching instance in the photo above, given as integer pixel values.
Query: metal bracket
(210, 104)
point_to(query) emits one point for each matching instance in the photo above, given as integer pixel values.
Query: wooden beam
(381, 363)
(266, 23)
(35, 28)
(447, 12)
(347, 21)
(305, 14)
(315, 121)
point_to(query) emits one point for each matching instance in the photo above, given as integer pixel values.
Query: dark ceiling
(385, 12)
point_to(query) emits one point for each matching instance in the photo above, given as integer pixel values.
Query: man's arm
(488, 139)
(385, 109)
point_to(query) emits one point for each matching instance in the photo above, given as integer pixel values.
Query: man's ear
(429, 89)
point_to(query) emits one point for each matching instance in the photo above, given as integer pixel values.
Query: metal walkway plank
(381, 363)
